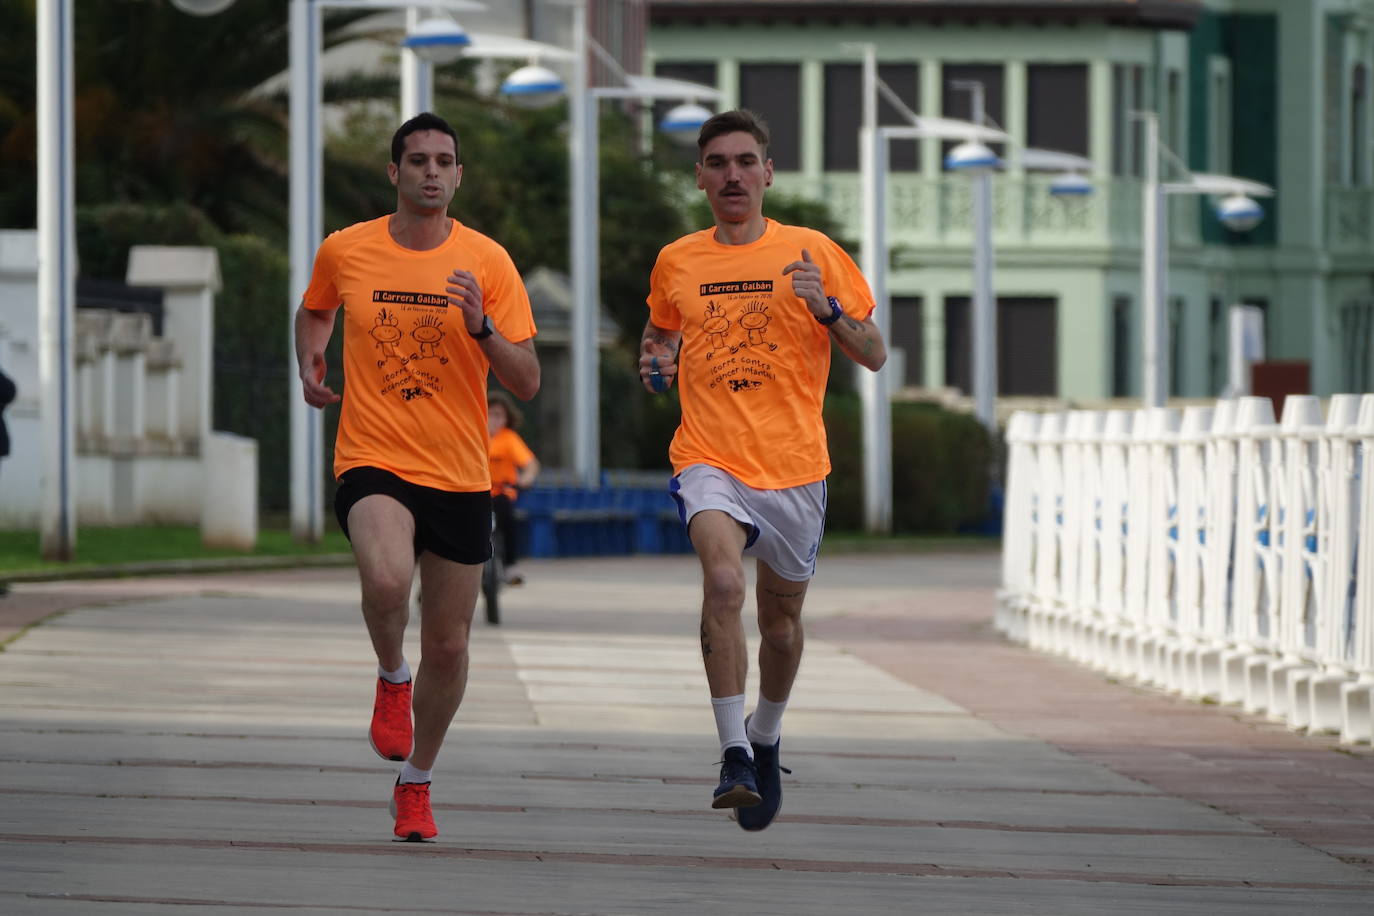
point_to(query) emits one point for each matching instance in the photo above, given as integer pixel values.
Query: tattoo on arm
(854, 325)
(705, 642)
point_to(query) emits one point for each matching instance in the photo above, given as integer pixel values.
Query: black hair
(735, 121)
(425, 120)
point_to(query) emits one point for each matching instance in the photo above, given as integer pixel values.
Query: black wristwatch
(486, 331)
(836, 312)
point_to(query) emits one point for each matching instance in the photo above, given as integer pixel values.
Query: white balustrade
(1213, 553)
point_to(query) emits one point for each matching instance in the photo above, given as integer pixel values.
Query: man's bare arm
(515, 365)
(314, 327)
(861, 341)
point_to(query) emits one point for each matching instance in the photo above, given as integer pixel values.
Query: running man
(742, 315)
(429, 306)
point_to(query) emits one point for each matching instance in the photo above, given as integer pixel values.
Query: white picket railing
(1212, 552)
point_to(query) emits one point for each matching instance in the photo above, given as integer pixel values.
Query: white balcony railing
(937, 212)
(1212, 553)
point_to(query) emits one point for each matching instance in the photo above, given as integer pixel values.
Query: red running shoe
(410, 807)
(392, 733)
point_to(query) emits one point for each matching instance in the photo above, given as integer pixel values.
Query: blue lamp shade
(1070, 184)
(202, 7)
(1239, 213)
(683, 122)
(532, 86)
(971, 158)
(438, 40)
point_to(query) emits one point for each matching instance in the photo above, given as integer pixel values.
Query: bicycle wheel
(493, 575)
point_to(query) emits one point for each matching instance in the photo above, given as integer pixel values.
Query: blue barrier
(630, 512)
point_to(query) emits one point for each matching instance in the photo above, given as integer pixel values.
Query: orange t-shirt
(754, 360)
(415, 395)
(507, 454)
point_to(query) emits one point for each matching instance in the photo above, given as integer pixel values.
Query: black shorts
(455, 526)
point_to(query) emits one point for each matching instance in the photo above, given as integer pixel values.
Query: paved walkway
(197, 744)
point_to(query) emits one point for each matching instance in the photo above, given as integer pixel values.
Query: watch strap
(486, 331)
(836, 312)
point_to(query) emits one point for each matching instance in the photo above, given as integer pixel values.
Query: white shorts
(785, 526)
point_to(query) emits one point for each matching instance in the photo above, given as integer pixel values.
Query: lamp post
(307, 168)
(973, 158)
(57, 268)
(874, 387)
(56, 278)
(584, 217)
(1238, 212)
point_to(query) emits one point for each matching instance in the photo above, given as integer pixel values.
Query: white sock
(730, 723)
(765, 725)
(399, 676)
(410, 774)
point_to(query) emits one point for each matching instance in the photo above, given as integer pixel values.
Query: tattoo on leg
(777, 594)
(705, 642)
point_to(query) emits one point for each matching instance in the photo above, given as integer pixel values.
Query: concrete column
(190, 278)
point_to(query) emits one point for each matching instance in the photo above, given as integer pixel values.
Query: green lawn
(98, 547)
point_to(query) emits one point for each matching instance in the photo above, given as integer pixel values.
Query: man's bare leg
(780, 630)
(382, 532)
(719, 542)
(450, 595)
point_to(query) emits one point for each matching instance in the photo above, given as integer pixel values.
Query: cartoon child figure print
(386, 332)
(428, 331)
(755, 321)
(715, 325)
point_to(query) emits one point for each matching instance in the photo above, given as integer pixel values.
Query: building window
(1057, 107)
(1359, 108)
(1121, 346)
(958, 103)
(1175, 318)
(774, 91)
(1128, 132)
(1218, 345)
(844, 114)
(1173, 112)
(908, 333)
(1219, 116)
(1027, 345)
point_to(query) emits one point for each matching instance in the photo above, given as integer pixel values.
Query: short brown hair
(513, 415)
(738, 120)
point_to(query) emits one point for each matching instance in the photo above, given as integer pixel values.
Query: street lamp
(584, 220)
(1237, 211)
(971, 157)
(57, 267)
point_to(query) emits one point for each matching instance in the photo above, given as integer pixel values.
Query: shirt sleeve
(323, 291)
(505, 299)
(520, 452)
(846, 282)
(663, 313)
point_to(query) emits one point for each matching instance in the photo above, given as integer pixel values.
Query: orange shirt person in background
(742, 315)
(430, 308)
(513, 468)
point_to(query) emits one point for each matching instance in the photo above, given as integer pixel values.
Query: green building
(1271, 90)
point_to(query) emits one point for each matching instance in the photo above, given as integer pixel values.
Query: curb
(181, 567)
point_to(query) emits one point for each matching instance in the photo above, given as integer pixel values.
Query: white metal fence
(1210, 551)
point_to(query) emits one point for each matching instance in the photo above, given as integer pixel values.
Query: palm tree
(169, 108)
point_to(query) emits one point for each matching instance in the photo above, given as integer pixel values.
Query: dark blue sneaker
(770, 787)
(739, 785)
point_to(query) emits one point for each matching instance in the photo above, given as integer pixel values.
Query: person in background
(513, 468)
